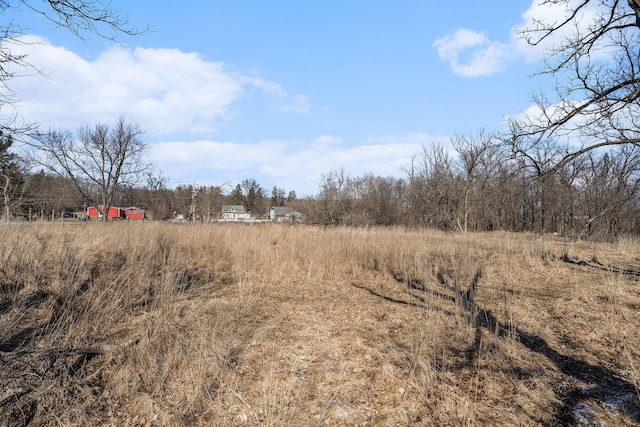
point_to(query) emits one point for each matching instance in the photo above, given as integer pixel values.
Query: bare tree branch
(596, 98)
(81, 18)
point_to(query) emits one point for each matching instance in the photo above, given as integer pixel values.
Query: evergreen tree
(277, 196)
(237, 198)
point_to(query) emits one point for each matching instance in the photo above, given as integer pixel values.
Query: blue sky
(284, 91)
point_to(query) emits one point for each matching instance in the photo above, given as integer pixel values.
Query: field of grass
(274, 325)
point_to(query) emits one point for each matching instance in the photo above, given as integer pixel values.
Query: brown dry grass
(236, 324)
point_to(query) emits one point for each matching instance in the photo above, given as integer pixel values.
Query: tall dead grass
(239, 324)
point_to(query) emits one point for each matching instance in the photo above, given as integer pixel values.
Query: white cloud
(293, 165)
(299, 104)
(165, 91)
(179, 98)
(472, 53)
(487, 57)
(326, 141)
(449, 46)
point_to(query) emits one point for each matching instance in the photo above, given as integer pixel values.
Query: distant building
(235, 213)
(132, 213)
(135, 214)
(98, 213)
(277, 214)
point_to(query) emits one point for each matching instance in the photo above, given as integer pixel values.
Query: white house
(235, 213)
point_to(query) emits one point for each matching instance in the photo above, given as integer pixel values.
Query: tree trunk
(6, 198)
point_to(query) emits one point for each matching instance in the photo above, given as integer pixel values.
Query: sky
(286, 91)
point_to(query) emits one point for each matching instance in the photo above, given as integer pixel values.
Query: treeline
(485, 186)
(480, 185)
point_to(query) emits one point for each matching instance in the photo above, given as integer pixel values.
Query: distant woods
(483, 185)
(476, 183)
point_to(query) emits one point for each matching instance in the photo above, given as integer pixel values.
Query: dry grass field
(275, 325)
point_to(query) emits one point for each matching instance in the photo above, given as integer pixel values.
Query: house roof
(133, 210)
(233, 208)
(101, 208)
(281, 210)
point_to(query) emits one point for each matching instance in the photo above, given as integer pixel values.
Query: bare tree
(433, 188)
(609, 185)
(11, 177)
(211, 201)
(99, 161)
(476, 161)
(81, 17)
(48, 194)
(335, 198)
(152, 195)
(378, 200)
(594, 62)
(155, 195)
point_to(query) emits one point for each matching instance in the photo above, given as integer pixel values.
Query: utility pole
(194, 193)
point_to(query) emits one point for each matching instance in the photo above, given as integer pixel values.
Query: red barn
(114, 213)
(134, 214)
